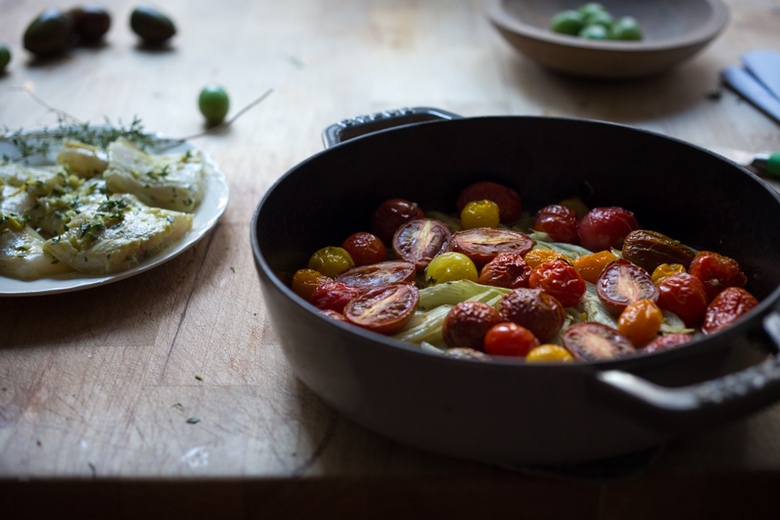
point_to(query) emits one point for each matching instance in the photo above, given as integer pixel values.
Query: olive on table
(152, 25)
(213, 103)
(5, 57)
(50, 33)
(90, 22)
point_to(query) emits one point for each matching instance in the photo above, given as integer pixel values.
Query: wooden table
(97, 388)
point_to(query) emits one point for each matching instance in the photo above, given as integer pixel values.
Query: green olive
(594, 32)
(51, 32)
(153, 26)
(90, 22)
(5, 57)
(567, 22)
(627, 28)
(214, 103)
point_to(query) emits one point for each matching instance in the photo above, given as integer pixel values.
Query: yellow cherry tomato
(576, 204)
(590, 266)
(331, 260)
(304, 282)
(449, 267)
(549, 352)
(480, 213)
(640, 322)
(665, 270)
(535, 257)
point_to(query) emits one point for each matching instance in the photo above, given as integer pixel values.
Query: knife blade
(765, 66)
(766, 164)
(745, 84)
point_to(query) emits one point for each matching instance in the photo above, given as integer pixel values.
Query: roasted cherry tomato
(449, 267)
(384, 309)
(510, 339)
(334, 315)
(467, 323)
(535, 257)
(728, 305)
(304, 282)
(549, 352)
(640, 322)
(664, 270)
(622, 283)
(684, 295)
(508, 270)
(606, 227)
(369, 276)
(420, 241)
(333, 295)
(591, 266)
(365, 248)
(558, 221)
(483, 244)
(559, 279)
(480, 213)
(535, 310)
(590, 341)
(508, 200)
(717, 272)
(391, 214)
(667, 341)
(331, 260)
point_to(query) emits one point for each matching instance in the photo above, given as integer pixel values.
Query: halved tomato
(483, 244)
(420, 240)
(384, 309)
(369, 276)
(622, 283)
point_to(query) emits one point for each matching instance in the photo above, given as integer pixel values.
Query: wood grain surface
(167, 394)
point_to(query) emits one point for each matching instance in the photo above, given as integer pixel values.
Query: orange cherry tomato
(535, 257)
(384, 309)
(640, 322)
(305, 280)
(591, 266)
(664, 270)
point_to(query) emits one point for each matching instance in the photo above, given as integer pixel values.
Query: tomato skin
(508, 270)
(483, 244)
(467, 323)
(606, 227)
(510, 339)
(640, 322)
(666, 342)
(333, 295)
(367, 277)
(622, 283)
(365, 248)
(508, 200)
(334, 315)
(559, 279)
(590, 341)
(420, 241)
(558, 221)
(305, 280)
(392, 214)
(727, 306)
(535, 310)
(384, 309)
(717, 272)
(684, 295)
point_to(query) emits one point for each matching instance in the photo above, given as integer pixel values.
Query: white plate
(204, 219)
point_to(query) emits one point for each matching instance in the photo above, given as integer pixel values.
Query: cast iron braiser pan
(504, 411)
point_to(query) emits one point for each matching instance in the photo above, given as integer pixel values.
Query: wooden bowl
(673, 32)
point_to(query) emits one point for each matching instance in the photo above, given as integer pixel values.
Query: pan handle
(361, 125)
(691, 408)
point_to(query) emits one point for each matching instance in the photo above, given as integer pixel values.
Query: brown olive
(90, 22)
(152, 25)
(50, 33)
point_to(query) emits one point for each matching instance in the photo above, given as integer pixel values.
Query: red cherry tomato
(391, 214)
(666, 342)
(369, 276)
(384, 309)
(558, 221)
(560, 279)
(365, 248)
(728, 305)
(621, 283)
(590, 341)
(334, 315)
(508, 200)
(716, 271)
(684, 295)
(510, 339)
(508, 270)
(419, 241)
(535, 310)
(483, 244)
(604, 228)
(467, 323)
(333, 295)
